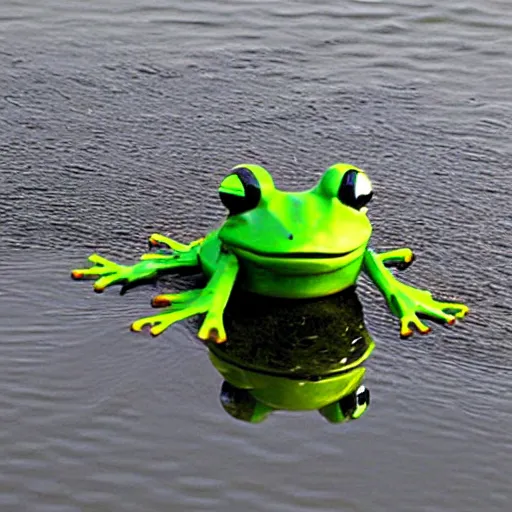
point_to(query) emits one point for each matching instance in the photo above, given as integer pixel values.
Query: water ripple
(118, 120)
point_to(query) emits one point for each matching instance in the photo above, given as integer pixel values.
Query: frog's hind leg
(210, 301)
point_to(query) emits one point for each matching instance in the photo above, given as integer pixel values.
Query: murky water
(118, 119)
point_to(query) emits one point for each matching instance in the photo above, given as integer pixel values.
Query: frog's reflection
(294, 355)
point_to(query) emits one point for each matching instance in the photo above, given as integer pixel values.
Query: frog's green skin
(251, 396)
(280, 244)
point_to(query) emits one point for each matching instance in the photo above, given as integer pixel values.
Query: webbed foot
(409, 304)
(406, 302)
(106, 273)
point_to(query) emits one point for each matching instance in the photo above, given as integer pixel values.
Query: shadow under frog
(295, 355)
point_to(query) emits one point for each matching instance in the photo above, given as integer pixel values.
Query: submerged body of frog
(279, 244)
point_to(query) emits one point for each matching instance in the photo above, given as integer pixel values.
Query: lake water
(118, 119)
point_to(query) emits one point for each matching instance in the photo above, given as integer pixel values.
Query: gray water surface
(118, 119)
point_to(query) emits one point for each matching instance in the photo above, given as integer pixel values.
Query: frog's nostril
(290, 237)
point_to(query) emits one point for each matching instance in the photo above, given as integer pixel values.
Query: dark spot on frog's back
(290, 237)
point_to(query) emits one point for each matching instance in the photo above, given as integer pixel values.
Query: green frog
(275, 243)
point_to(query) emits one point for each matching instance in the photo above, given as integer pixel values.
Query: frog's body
(280, 244)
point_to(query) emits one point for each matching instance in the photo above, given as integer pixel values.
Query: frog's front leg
(407, 302)
(151, 265)
(210, 300)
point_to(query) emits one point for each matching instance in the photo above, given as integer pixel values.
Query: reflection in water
(295, 355)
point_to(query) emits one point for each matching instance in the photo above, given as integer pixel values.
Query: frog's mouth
(296, 255)
(298, 262)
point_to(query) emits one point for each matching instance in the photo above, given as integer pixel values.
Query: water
(120, 119)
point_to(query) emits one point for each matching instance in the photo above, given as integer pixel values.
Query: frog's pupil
(240, 191)
(347, 191)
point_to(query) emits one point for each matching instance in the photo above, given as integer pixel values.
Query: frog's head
(320, 229)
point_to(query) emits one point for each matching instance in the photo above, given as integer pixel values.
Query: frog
(276, 243)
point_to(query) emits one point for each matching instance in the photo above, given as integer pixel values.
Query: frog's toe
(157, 324)
(398, 258)
(179, 300)
(158, 328)
(424, 330)
(445, 317)
(100, 261)
(161, 301)
(99, 286)
(455, 309)
(213, 335)
(95, 272)
(77, 275)
(154, 328)
(155, 242)
(139, 325)
(142, 325)
(212, 331)
(152, 243)
(405, 329)
(406, 262)
(102, 283)
(160, 322)
(216, 336)
(462, 312)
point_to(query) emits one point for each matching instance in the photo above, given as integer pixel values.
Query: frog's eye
(347, 183)
(355, 189)
(242, 190)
